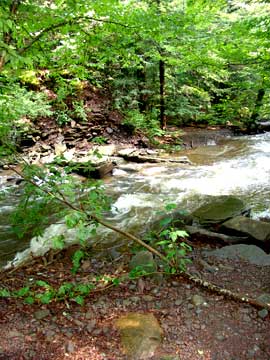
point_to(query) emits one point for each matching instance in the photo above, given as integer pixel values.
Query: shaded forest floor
(217, 329)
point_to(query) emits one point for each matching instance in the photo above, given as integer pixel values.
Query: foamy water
(240, 167)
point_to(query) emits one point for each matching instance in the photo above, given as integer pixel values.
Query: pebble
(50, 335)
(67, 333)
(148, 298)
(91, 325)
(158, 305)
(70, 347)
(41, 314)
(178, 302)
(135, 299)
(97, 332)
(264, 298)
(155, 291)
(198, 311)
(220, 337)
(89, 315)
(78, 323)
(198, 300)
(252, 353)
(263, 313)
(246, 318)
(15, 333)
(127, 302)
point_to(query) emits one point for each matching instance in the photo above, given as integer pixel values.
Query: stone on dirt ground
(140, 335)
(250, 253)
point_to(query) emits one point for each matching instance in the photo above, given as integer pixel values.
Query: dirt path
(197, 324)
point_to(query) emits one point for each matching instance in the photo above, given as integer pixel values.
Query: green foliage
(175, 251)
(100, 140)
(170, 241)
(17, 107)
(139, 122)
(50, 194)
(77, 257)
(140, 271)
(214, 64)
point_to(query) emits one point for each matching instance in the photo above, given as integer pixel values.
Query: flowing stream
(237, 166)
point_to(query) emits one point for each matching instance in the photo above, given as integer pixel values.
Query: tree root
(225, 292)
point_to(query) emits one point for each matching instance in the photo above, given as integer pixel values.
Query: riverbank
(192, 323)
(195, 324)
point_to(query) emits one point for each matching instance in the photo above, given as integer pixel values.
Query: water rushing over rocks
(236, 166)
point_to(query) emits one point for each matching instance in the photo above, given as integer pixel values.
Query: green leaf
(170, 207)
(116, 281)
(46, 297)
(73, 219)
(79, 299)
(43, 284)
(64, 289)
(76, 260)
(5, 293)
(58, 242)
(83, 289)
(29, 300)
(166, 221)
(23, 291)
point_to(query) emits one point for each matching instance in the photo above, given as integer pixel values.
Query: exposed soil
(218, 329)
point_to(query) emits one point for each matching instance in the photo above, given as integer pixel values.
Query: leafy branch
(60, 197)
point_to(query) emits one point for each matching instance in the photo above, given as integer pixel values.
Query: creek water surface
(237, 166)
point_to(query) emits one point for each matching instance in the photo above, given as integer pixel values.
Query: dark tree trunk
(162, 118)
(258, 104)
(162, 94)
(141, 76)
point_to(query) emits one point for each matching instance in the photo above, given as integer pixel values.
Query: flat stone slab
(138, 156)
(140, 334)
(250, 253)
(255, 229)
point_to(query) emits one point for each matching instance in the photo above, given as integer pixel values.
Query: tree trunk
(7, 36)
(258, 105)
(162, 117)
(141, 76)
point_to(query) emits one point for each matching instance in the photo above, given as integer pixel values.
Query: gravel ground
(197, 324)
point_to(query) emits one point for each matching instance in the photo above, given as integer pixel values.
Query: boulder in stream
(218, 209)
(95, 171)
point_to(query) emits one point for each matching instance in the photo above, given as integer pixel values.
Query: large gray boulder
(218, 209)
(250, 253)
(254, 229)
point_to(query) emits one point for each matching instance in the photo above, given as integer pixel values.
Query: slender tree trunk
(162, 117)
(141, 76)
(258, 105)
